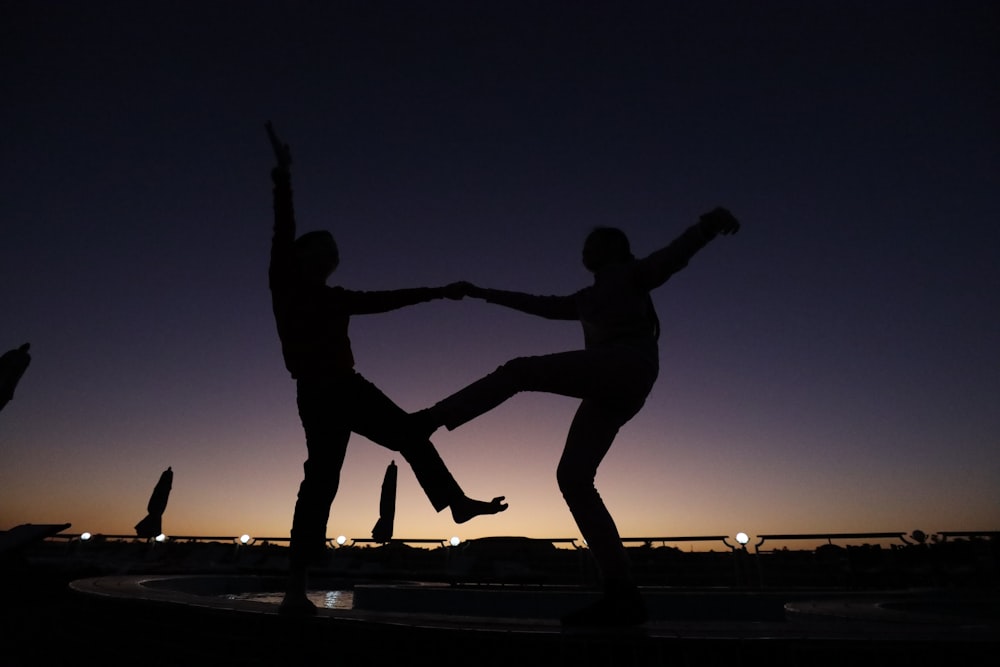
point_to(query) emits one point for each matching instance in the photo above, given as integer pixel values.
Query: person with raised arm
(612, 375)
(335, 400)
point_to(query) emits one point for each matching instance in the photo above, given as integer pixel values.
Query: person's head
(604, 246)
(317, 255)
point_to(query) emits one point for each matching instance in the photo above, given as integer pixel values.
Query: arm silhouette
(383, 301)
(656, 268)
(652, 271)
(282, 268)
(549, 307)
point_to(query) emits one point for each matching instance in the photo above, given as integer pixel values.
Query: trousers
(613, 383)
(331, 408)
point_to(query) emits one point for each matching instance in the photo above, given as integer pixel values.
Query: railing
(992, 534)
(69, 537)
(664, 540)
(171, 538)
(861, 559)
(854, 565)
(397, 540)
(829, 537)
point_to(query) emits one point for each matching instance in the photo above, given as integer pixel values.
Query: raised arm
(282, 243)
(656, 268)
(281, 177)
(282, 152)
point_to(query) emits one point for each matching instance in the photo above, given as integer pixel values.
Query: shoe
(619, 610)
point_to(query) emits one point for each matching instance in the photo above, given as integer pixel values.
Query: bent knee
(573, 482)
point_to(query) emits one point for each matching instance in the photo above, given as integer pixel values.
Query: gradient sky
(833, 367)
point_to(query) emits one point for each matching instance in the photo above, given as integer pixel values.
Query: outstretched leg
(380, 420)
(606, 373)
(439, 484)
(566, 373)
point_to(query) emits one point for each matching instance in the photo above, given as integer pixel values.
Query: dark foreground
(126, 603)
(45, 622)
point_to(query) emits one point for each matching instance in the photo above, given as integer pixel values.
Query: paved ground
(122, 620)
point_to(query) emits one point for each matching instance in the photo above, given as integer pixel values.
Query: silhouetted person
(613, 375)
(13, 363)
(334, 400)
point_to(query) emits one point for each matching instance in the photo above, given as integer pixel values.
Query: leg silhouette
(591, 434)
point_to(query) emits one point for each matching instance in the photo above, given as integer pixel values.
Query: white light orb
(161, 538)
(454, 541)
(742, 538)
(244, 539)
(85, 536)
(341, 540)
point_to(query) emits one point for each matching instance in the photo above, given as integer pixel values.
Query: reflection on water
(322, 599)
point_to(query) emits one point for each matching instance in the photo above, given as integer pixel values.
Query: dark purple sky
(833, 367)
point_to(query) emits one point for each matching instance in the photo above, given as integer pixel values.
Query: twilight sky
(833, 367)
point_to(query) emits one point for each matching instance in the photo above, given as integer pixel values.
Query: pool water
(322, 599)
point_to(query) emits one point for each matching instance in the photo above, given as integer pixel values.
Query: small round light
(244, 539)
(161, 538)
(341, 540)
(742, 538)
(85, 536)
(454, 541)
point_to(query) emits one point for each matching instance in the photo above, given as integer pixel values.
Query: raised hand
(282, 153)
(719, 221)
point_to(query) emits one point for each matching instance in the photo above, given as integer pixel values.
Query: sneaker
(610, 611)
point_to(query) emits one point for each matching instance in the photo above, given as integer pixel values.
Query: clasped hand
(458, 290)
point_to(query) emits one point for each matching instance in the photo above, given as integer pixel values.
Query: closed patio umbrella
(150, 526)
(12, 366)
(382, 532)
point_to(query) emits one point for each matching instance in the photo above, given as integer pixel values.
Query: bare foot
(468, 508)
